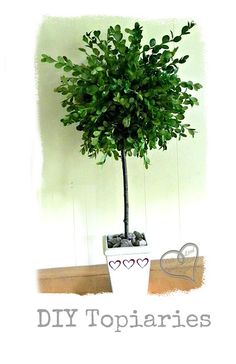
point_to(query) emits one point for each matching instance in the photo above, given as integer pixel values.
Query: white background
(22, 340)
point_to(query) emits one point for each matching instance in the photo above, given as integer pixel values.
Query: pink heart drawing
(128, 263)
(114, 265)
(142, 262)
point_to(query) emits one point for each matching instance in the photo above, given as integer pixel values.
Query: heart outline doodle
(112, 264)
(126, 263)
(180, 256)
(140, 261)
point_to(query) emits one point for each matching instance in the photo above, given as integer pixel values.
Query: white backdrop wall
(79, 201)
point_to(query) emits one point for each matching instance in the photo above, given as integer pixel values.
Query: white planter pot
(129, 269)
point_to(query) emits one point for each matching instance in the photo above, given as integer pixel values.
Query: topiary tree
(128, 97)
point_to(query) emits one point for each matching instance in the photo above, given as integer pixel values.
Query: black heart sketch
(114, 264)
(128, 263)
(142, 262)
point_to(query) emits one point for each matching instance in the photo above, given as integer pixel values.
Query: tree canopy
(126, 96)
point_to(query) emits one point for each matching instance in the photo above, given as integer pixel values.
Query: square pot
(129, 269)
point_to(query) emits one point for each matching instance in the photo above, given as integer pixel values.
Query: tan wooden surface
(95, 278)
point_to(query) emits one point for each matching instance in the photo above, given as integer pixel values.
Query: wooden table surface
(95, 278)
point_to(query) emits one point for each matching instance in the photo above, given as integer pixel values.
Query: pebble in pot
(126, 243)
(142, 242)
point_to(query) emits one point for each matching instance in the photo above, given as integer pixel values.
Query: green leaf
(183, 59)
(140, 133)
(184, 29)
(140, 96)
(192, 132)
(96, 51)
(130, 140)
(104, 108)
(117, 97)
(152, 42)
(166, 55)
(97, 33)
(117, 36)
(59, 65)
(197, 86)
(103, 160)
(121, 48)
(82, 50)
(116, 155)
(165, 39)
(167, 135)
(126, 121)
(61, 59)
(129, 31)
(146, 161)
(96, 133)
(180, 117)
(67, 68)
(83, 150)
(85, 39)
(194, 100)
(190, 85)
(117, 28)
(177, 39)
(92, 89)
(156, 49)
(46, 58)
(146, 48)
(184, 84)
(94, 141)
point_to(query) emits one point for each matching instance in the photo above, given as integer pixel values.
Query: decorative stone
(116, 240)
(109, 238)
(135, 242)
(138, 235)
(125, 243)
(131, 236)
(119, 240)
(142, 242)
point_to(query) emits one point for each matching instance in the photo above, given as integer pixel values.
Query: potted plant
(125, 99)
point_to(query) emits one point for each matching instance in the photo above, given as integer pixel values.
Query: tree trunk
(126, 197)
